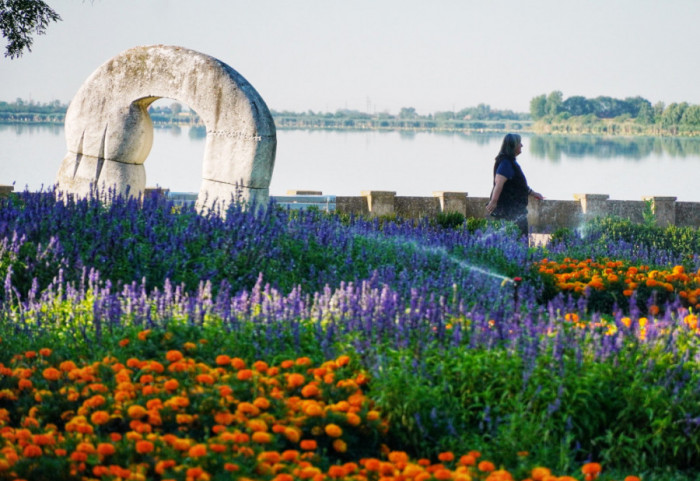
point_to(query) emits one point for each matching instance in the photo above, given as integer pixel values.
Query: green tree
(691, 117)
(538, 107)
(407, 113)
(645, 116)
(554, 103)
(20, 19)
(577, 105)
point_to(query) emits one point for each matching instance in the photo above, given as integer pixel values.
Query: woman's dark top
(512, 202)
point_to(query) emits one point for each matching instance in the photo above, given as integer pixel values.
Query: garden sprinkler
(516, 281)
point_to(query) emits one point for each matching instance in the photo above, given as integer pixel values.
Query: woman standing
(510, 191)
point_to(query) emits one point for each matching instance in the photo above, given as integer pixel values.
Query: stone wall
(544, 216)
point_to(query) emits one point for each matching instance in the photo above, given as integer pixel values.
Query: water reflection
(553, 147)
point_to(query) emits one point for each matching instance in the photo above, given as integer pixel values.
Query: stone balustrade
(544, 216)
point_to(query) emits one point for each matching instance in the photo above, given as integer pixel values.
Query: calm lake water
(411, 164)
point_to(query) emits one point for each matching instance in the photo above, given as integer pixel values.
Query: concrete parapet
(414, 207)
(380, 202)
(352, 205)
(664, 209)
(452, 201)
(6, 190)
(592, 205)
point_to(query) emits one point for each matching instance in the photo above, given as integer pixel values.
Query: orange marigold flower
(286, 364)
(442, 473)
(205, 379)
(295, 380)
(539, 473)
(340, 446)
(244, 374)
(467, 460)
(231, 467)
(32, 451)
(124, 342)
(342, 360)
(99, 417)
(397, 457)
(446, 457)
(310, 390)
(198, 450)
(136, 411)
(292, 434)
(173, 356)
(222, 360)
(633, 478)
(106, 449)
(237, 363)
(45, 352)
(260, 366)
(336, 471)
(486, 466)
(308, 445)
(333, 430)
(144, 447)
(261, 403)
(143, 334)
(591, 468)
(371, 464)
(24, 384)
(261, 437)
(171, 385)
(303, 361)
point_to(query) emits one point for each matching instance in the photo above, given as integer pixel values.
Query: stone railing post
(379, 202)
(593, 205)
(664, 209)
(452, 201)
(6, 190)
(533, 213)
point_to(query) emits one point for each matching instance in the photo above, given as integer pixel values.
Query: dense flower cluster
(177, 418)
(615, 276)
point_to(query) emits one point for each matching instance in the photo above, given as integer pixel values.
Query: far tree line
(550, 112)
(553, 108)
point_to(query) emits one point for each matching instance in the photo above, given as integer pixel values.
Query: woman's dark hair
(510, 142)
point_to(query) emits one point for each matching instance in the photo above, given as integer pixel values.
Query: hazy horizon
(381, 56)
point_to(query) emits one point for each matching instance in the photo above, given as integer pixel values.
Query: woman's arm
(499, 180)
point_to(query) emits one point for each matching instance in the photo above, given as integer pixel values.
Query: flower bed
(147, 342)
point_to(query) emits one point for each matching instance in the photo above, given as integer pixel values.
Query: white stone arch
(109, 133)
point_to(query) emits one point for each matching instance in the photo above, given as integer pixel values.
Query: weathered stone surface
(109, 133)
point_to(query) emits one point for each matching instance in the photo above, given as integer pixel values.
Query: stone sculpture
(109, 133)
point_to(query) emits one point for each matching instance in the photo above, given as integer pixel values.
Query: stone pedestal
(452, 201)
(379, 202)
(593, 205)
(664, 209)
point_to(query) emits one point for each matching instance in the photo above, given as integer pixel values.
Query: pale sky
(382, 55)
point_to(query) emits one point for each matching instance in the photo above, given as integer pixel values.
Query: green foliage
(19, 19)
(449, 220)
